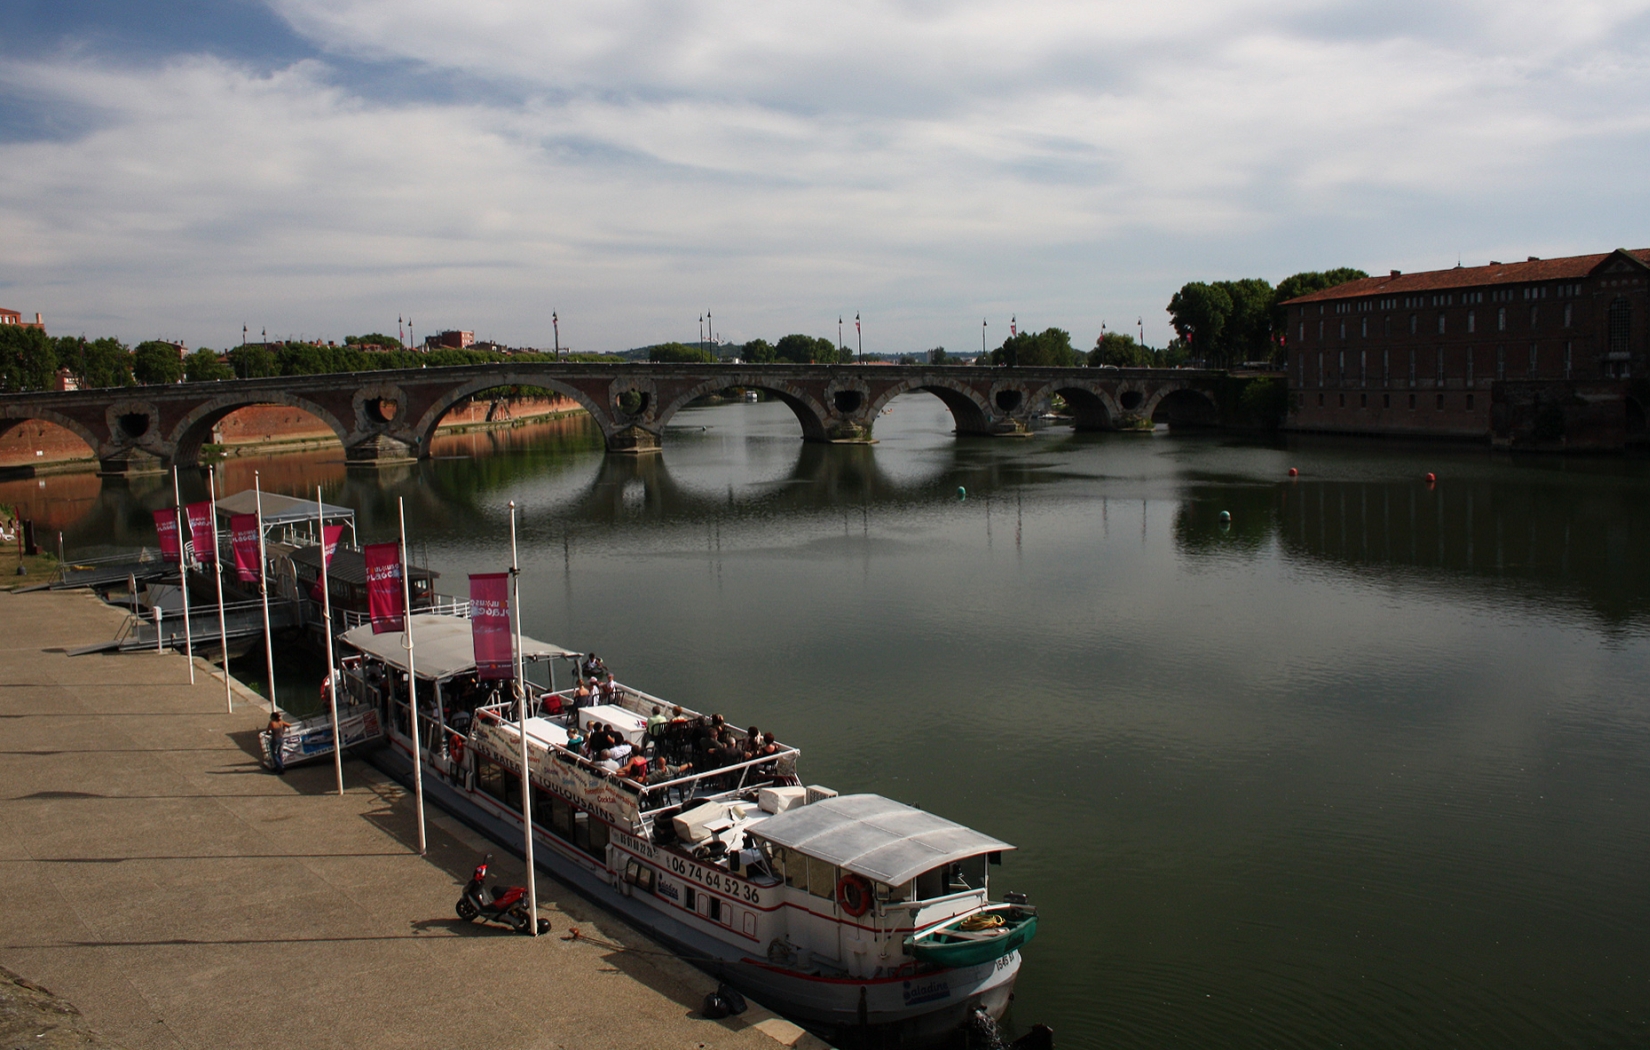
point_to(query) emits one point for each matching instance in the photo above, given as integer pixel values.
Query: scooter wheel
(467, 909)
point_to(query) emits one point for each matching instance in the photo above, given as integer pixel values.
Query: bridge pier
(130, 462)
(381, 450)
(632, 440)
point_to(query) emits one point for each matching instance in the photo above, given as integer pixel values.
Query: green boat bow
(976, 938)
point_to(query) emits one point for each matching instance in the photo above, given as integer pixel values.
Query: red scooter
(506, 904)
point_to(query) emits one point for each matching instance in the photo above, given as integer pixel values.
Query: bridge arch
(11, 418)
(192, 431)
(809, 412)
(970, 411)
(1092, 406)
(1181, 404)
(427, 423)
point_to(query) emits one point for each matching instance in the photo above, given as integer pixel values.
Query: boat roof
(349, 565)
(875, 836)
(280, 510)
(442, 646)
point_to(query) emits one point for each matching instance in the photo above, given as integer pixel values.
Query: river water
(1370, 767)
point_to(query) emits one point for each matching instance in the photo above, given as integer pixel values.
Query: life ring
(854, 894)
(455, 749)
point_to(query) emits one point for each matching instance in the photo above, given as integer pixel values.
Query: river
(1370, 767)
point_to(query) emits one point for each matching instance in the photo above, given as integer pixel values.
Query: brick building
(1434, 353)
(13, 317)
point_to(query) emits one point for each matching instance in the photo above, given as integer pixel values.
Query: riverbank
(180, 896)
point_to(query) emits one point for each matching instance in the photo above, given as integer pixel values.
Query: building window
(1619, 323)
(1414, 324)
(1470, 356)
(1501, 319)
(1440, 324)
(1386, 327)
(1320, 331)
(1343, 330)
(1386, 400)
(1412, 401)
(1440, 403)
(1343, 400)
(1569, 314)
(1303, 332)
(1320, 400)
(1568, 349)
(1363, 328)
(1440, 366)
(1300, 368)
(1386, 367)
(1412, 369)
(1500, 362)
(1534, 316)
(1472, 322)
(1363, 368)
(1532, 360)
(1342, 368)
(1320, 368)
(1363, 400)
(1469, 402)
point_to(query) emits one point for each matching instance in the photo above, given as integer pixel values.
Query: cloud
(633, 162)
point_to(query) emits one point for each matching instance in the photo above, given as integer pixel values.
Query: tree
(205, 366)
(155, 361)
(1305, 283)
(253, 361)
(28, 359)
(805, 349)
(678, 353)
(757, 352)
(1249, 327)
(99, 363)
(1050, 347)
(1116, 348)
(388, 342)
(937, 355)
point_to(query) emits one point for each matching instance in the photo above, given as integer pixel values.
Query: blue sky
(319, 167)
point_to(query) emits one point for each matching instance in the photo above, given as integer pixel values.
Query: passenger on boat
(575, 740)
(621, 750)
(581, 697)
(606, 764)
(609, 689)
(636, 769)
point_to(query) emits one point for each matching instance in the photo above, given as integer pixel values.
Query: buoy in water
(962, 493)
(1225, 517)
(1431, 477)
(1294, 473)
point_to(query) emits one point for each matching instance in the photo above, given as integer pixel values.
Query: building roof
(1573, 267)
(875, 837)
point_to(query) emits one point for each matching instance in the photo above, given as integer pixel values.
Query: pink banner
(200, 530)
(166, 526)
(329, 547)
(490, 625)
(384, 599)
(243, 536)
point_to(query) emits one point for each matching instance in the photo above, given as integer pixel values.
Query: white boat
(806, 900)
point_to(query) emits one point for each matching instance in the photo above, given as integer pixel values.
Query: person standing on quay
(277, 730)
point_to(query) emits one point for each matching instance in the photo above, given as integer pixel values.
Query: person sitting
(587, 666)
(606, 764)
(575, 740)
(581, 697)
(620, 750)
(753, 741)
(663, 772)
(637, 769)
(609, 689)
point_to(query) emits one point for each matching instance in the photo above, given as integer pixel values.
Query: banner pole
(412, 676)
(183, 575)
(332, 675)
(217, 574)
(521, 701)
(263, 591)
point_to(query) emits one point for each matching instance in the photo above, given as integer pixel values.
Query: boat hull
(909, 1009)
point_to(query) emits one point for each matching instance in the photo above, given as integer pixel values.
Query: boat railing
(444, 604)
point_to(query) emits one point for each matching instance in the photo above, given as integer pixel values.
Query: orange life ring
(455, 748)
(854, 894)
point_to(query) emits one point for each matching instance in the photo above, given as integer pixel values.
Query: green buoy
(962, 493)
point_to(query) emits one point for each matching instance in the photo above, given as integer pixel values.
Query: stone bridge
(391, 416)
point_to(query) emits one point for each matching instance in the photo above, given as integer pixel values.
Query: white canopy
(442, 646)
(280, 510)
(875, 837)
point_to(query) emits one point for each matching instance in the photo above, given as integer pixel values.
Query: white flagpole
(217, 570)
(332, 675)
(412, 676)
(521, 700)
(183, 575)
(263, 591)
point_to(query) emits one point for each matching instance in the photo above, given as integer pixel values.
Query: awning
(442, 646)
(348, 565)
(281, 510)
(875, 837)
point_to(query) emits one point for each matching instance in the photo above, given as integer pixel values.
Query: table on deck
(631, 725)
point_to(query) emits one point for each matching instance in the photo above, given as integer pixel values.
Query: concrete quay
(156, 877)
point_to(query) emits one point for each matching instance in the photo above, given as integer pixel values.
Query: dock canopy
(442, 646)
(875, 837)
(281, 510)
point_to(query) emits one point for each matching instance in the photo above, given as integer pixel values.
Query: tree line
(1224, 323)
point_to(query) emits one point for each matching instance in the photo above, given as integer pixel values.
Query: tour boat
(832, 909)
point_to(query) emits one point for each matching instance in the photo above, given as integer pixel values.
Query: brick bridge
(391, 416)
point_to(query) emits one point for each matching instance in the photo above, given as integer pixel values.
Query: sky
(319, 168)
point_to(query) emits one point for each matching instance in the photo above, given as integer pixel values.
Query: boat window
(501, 783)
(888, 894)
(561, 818)
(967, 874)
(821, 878)
(597, 844)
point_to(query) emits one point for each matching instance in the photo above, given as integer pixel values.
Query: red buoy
(1294, 473)
(1431, 477)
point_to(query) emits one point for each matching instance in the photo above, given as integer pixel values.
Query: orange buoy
(1294, 473)
(1431, 477)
